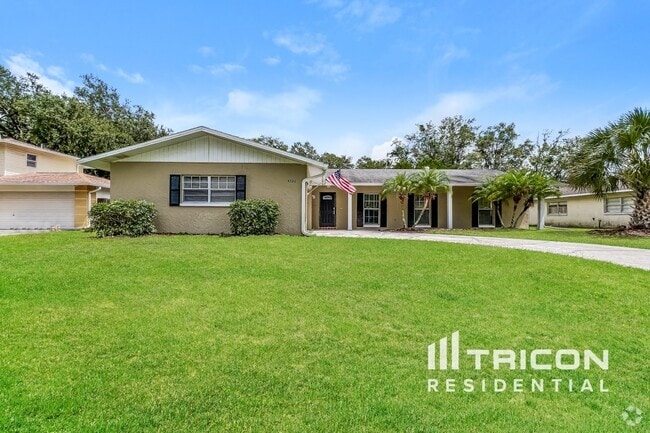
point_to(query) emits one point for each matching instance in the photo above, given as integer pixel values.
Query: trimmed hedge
(253, 217)
(130, 218)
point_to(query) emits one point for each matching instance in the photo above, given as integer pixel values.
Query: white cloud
(291, 106)
(325, 59)
(272, 61)
(218, 70)
(327, 69)
(452, 52)
(205, 51)
(52, 77)
(381, 150)
(369, 14)
(301, 43)
(467, 102)
(226, 68)
(134, 78)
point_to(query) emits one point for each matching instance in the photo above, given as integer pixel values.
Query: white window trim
(184, 203)
(557, 205)
(621, 205)
(35, 160)
(416, 213)
(492, 212)
(378, 209)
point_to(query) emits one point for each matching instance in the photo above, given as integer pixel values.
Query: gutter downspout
(90, 201)
(303, 204)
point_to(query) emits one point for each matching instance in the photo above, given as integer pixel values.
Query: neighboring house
(42, 189)
(575, 208)
(194, 175)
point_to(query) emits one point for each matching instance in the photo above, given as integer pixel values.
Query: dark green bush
(123, 218)
(253, 217)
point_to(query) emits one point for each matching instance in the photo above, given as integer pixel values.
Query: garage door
(36, 210)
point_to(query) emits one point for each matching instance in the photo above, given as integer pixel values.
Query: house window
(619, 205)
(557, 208)
(418, 207)
(371, 210)
(31, 160)
(209, 189)
(485, 214)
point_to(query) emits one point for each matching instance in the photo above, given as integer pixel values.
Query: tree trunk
(514, 212)
(640, 218)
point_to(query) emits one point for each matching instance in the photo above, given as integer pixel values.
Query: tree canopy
(617, 156)
(92, 120)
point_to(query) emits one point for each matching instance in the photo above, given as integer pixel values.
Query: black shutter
(498, 206)
(410, 206)
(475, 213)
(174, 189)
(434, 211)
(359, 209)
(240, 187)
(383, 213)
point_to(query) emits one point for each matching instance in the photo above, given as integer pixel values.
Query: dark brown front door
(327, 217)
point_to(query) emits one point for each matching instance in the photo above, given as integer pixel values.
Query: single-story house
(44, 189)
(578, 208)
(192, 177)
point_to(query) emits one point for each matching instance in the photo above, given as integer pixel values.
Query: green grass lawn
(297, 334)
(553, 234)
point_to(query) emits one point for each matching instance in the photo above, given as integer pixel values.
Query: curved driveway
(631, 257)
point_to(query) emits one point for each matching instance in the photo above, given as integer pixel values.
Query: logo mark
(438, 352)
(632, 416)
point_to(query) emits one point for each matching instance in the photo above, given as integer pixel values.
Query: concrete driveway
(630, 257)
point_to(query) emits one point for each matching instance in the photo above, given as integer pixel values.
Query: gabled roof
(374, 177)
(58, 179)
(31, 148)
(103, 160)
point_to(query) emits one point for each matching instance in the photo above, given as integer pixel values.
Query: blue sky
(346, 75)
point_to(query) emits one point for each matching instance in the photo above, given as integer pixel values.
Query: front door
(327, 217)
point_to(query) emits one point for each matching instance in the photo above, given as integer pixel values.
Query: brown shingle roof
(55, 179)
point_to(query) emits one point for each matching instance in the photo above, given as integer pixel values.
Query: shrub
(253, 217)
(123, 218)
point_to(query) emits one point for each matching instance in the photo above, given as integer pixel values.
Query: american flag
(339, 181)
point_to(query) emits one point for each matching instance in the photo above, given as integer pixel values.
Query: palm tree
(522, 186)
(400, 185)
(427, 183)
(615, 157)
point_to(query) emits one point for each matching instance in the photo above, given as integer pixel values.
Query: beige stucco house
(44, 189)
(575, 208)
(194, 175)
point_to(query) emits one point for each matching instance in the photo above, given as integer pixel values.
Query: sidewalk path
(631, 257)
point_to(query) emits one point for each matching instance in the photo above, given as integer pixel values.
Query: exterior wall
(393, 210)
(14, 161)
(582, 211)
(150, 181)
(506, 213)
(81, 206)
(462, 208)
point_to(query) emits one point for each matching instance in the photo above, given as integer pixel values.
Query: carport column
(450, 212)
(349, 211)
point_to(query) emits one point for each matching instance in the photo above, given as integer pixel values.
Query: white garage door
(36, 210)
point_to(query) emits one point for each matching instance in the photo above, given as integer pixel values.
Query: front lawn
(584, 236)
(296, 334)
